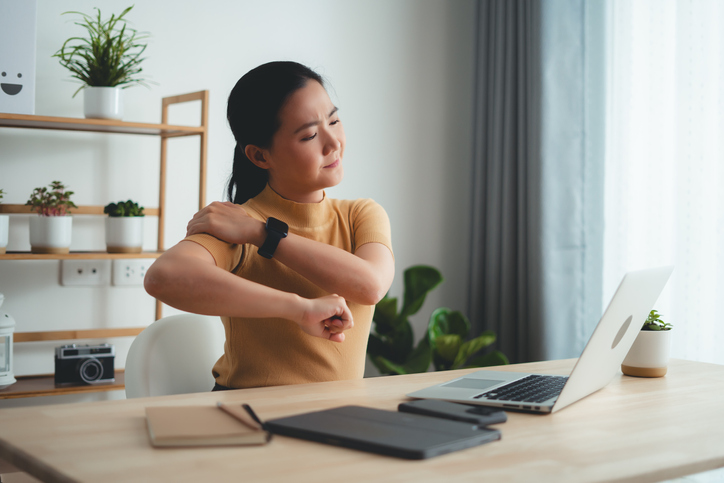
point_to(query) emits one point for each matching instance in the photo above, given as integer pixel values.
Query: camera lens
(91, 370)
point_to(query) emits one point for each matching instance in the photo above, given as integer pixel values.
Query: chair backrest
(174, 355)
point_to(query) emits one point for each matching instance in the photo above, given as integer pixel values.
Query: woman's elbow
(156, 280)
(373, 292)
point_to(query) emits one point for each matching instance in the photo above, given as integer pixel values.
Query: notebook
(599, 363)
(203, 426)
(388, 433)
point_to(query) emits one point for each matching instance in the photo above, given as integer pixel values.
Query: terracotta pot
(649, 355)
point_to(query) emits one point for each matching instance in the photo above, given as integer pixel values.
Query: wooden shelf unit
(43, 385)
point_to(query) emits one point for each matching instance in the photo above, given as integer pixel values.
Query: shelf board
(76, 255)
(96, 125)
(44, 385)
(81, 210)
(70, 335)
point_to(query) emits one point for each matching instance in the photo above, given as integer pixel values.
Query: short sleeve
(226, 255)
(370, 224)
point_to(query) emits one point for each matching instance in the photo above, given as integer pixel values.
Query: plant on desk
(390, 346)
(654, 322)
(51, 231)
(124, 227)
(649, 354)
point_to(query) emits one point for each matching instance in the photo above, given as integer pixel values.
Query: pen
(239, 415)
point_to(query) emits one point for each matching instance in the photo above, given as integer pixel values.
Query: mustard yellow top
(273, 351)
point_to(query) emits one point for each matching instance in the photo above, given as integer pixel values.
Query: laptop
(390, 433)
(599, 363)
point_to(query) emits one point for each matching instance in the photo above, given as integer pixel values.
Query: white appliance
(17, 56)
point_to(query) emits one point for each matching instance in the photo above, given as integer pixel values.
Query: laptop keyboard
(532, 388)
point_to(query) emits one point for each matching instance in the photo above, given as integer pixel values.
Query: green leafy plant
(391, 347)
(654, 322)
(123, 208)
(2, 194)
(51, 202)
(111, 54)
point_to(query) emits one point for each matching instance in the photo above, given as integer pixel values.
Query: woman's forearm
(182, 279)
(361, 280)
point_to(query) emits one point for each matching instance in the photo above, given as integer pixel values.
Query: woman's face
(306, 152)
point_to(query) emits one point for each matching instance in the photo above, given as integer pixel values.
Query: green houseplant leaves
(51, 201)
(654, 322)
(109, 56)
(391, 343)
(123, 208)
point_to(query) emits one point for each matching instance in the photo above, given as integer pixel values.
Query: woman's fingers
(224, 220)
(327, 317)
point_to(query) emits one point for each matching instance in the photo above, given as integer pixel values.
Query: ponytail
(247, 179)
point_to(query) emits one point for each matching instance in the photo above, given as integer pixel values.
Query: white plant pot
(50, 234)
(649, 355)
(103, 102)
(7, 326)
(124, 234)
(4, 230)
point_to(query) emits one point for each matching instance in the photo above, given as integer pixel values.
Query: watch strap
(275, 231)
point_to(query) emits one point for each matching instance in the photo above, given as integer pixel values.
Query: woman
(293, 274)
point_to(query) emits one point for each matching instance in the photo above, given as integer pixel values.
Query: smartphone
(480, 415)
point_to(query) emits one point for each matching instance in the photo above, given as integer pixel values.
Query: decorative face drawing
(8, 88)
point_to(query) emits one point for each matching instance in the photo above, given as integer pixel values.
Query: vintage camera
(84, 364)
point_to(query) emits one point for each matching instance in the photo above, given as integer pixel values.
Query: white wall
(401, 73)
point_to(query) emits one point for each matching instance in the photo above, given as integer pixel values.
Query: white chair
(174, 355)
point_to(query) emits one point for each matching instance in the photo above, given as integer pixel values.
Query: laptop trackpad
(471, 383)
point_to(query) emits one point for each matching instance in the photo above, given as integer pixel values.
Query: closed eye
(309, 138)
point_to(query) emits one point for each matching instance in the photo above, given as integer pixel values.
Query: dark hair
(253, 115)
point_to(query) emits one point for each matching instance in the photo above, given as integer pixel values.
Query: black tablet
(389, 433)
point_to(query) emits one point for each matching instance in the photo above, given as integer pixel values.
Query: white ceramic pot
(50, 234)
(649, 355)
(103, 102)
(4, 224)
(7, 326)
(124, 234)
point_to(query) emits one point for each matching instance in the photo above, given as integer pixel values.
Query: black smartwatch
(275, 231)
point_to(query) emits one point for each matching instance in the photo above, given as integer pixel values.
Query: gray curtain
(537, 207)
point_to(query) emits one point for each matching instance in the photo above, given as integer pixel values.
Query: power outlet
(88, 273)
(129, 272)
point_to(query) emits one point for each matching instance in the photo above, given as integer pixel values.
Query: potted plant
(649, 355)
(124, 227)
(4, 230)
(50, 232)
(106, 61)
(444, 344)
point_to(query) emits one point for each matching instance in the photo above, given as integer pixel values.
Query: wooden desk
(632, 430)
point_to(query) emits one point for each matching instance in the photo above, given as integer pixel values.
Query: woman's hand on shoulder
(229, 222)
(326, 317)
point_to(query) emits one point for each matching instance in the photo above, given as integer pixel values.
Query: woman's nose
(332, 143)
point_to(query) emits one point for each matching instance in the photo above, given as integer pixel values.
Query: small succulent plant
(123, 208)
(51, 202)
(654, 322)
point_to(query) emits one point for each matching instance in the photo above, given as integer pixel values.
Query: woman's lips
(333, 165)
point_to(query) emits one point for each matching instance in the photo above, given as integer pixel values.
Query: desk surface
(634, 429)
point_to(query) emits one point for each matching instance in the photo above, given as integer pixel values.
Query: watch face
(277, 225)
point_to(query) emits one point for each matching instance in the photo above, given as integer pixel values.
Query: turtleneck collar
(298, 215)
